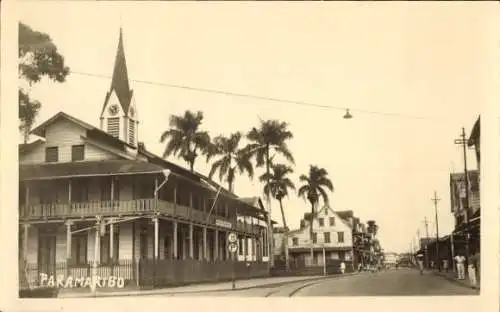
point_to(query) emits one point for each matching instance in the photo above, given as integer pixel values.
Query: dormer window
(52, 154)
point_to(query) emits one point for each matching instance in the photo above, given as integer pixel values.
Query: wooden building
(97, 195)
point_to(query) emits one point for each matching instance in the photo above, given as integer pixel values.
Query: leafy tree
(271, 135)
(277, 184)
(38, 58)
(231, 157)
(185, 139)
(314, 190)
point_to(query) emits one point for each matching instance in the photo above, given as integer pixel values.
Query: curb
(271, 285)
(457, 282)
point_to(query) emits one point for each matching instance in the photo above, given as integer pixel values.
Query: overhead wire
(257, 97)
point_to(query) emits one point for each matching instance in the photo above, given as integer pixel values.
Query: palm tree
(271, 135)
(277, 184)
(185, 139)
(231, 158)
(372, 229)
(313, 190)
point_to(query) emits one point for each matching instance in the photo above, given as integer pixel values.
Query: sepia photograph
(249, 150)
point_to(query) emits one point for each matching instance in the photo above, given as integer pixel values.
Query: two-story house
(91, 195)
(466, 214)
(330, 232)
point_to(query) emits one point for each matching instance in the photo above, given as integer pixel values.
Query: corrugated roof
(87, 168)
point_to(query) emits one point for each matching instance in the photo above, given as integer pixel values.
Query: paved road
(402, 282)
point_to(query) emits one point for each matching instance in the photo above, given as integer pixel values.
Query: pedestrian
(445, 265)
(460, 260)
(420, 261)
(342, 267)
(471, 270)
(360, 267)
(432, 264)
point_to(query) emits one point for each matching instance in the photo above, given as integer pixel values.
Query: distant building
(391, 258)
(330, 231)
(458, 198)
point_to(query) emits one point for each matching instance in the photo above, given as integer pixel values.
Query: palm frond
(303, 191)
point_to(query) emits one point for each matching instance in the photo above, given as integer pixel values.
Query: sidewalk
(451, 276)
(196, 288)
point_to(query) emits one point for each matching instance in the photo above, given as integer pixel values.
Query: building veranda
(96, 196)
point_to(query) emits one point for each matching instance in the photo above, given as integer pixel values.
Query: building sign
(223, 223)
(60, 281)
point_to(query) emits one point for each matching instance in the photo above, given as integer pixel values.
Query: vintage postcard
(211, 149)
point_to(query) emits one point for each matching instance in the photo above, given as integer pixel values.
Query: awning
(52, 171)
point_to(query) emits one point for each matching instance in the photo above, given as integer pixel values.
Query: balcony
(127, 207)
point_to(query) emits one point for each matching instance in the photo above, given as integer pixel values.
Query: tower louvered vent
(114, 126)
(131, 132)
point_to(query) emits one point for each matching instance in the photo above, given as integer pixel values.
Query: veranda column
(226, 245)
(25, 242)
(96, 253)
(156, 229)
(68, 245)
(205, 243)
(175, 239)
(191, 253)
(216, 245)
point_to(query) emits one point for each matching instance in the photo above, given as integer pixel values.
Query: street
(402, 282)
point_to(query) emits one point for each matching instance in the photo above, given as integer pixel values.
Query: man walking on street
(420, 261)
(342, 267)
(445, 265)
(460, 260)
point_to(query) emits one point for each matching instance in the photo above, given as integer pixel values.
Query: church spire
(118, 116)
(120, 82)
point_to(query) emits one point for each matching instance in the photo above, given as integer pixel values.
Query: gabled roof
(254, 201)
(345, 214)
(91, 130)
(120, 81)
(23, 148)
(51, 171)
(307, 215)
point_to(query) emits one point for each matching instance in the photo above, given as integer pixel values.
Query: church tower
(119, 114)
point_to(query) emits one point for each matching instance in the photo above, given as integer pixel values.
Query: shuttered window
(51, 154)
(114, 126)
(327, 237)
(77, 152)
(340, 237)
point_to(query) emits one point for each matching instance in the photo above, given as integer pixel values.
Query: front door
(47, 254)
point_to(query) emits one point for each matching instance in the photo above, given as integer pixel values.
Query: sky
(403, 58)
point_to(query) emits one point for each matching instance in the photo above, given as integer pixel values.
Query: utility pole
(463, 142)
(426, 242)
(435, 200)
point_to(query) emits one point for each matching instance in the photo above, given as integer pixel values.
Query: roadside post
(233, 248)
